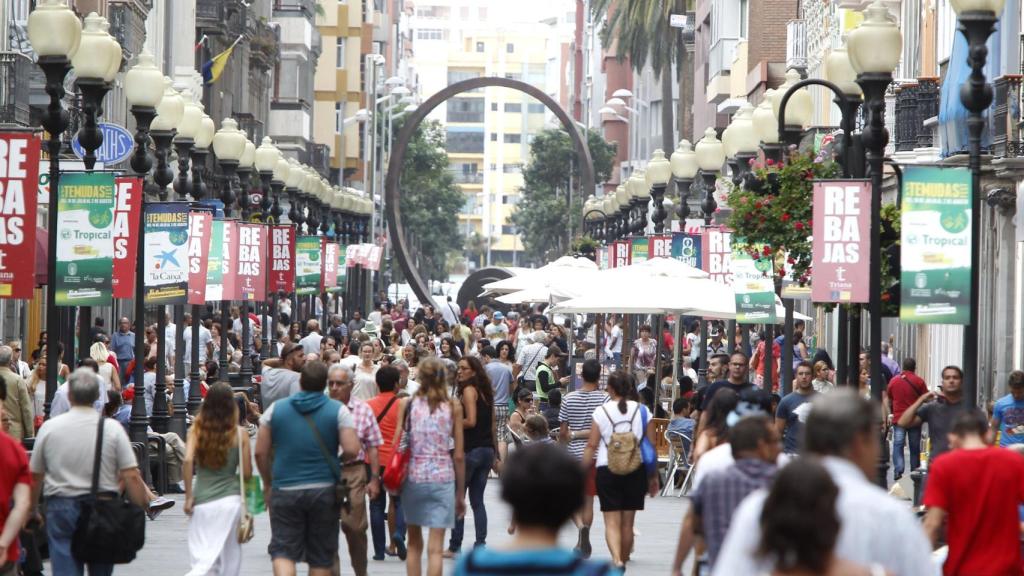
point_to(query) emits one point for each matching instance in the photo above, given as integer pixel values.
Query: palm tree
(640, 31)
(476, 245)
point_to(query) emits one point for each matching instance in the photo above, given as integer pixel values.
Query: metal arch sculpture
(394, 212)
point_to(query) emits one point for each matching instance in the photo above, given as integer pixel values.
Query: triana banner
(753, 285)
(165, 225)
(935, 243)
(127, 208)
(687, 249)
(308, 265)
(229, 256)
(841, 241)
(330, 276)
(85, 243)
(215, 263)
(19, 173)
(660, 246)
(252, 284)
(716, 254)
(200, 225)
(282, 258)
(638, 250)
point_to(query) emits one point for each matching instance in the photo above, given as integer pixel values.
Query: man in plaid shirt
(362, 481)
(756, 445)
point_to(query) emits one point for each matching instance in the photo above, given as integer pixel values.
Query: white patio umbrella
(566, 271)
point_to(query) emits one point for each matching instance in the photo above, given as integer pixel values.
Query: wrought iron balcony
(15, 69)
(915, 103)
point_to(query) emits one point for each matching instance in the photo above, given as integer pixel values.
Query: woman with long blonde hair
(106, 370)
(217, 447)
(433, 493)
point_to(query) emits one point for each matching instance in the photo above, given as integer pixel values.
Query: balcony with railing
(915, 102)
(796, 45)
(721, 56)
(307, 6)
(467, 177)
(15, 69)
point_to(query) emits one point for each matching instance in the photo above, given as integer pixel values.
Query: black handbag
(341, 488)
(110, 529)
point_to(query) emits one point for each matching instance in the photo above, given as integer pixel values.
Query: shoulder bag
(521, 380)
(246, 527)
(398, 467)
(341, 496)
(110, 529)
(647, 451)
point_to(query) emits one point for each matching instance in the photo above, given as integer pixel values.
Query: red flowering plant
(774, 207)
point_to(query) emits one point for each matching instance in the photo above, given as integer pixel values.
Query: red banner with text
(127, 208)
(200, 227)
(329, 279)
(229, 260)
(19, 180)
(716, 253)
(251, 285)
(282, 258)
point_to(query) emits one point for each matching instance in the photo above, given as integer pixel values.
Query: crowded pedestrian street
(535, 287)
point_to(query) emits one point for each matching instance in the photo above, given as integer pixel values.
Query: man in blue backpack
(297, 455)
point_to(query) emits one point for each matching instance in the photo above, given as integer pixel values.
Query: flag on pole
(201, 42)
(213, 68)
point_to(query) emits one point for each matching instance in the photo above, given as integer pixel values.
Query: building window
(339, 117)
(431, 34)
(535, 108)
(514, 76)
(339, 49)
(479, 46)
(510, 48)
(494, 137)
(744, 17)
(512, 168)
(464, 12)
(513, 138)
(466, 110)
(482, 13)
(455, 76)
(433, 11)
(494, 167)
(513, 107)
(494, 106)
(465, 142)
(507, 229)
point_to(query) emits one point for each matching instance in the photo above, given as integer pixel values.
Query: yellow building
(488, 131)
(337, 85)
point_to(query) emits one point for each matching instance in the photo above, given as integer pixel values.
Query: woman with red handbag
(432, 493)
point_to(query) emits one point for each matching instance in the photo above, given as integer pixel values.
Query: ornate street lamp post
(245, 166)
(977, 20)
(267, 156)
(659, 172)
(201, 145)
(144, 90)
(875, 47)
(710, 157)
(229, 146)
(684, 170)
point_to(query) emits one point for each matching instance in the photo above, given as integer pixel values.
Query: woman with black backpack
(617, 436)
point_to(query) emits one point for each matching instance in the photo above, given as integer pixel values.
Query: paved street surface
(166, 550)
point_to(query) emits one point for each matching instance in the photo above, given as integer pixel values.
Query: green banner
(307, 265)
(639, 250)
(85, 243)
(342, 267)
(752, 283)
(935, 246)
(215, 263)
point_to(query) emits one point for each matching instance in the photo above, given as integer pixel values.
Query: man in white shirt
(169, 332)
(613, 344)
(497, 330)
(451, 312)
(528, 357)
(876, 529)
(311, 342)
(205, 337)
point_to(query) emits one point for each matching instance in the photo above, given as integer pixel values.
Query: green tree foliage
(544, 214)
(430, 201)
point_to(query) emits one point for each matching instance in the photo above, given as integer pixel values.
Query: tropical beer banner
(687, 249)
(85, 241)
(638, 250)
(19, 175)
(342, 267)
(127, 208)
(215, 262)
(165, 226)
(841, 241)
(935, 245)
(308, 265)
(753, 284)
(200, 228)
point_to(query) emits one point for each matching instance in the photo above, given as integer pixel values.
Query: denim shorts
(304, 526)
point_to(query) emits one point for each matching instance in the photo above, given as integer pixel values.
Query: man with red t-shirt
(904, 389)
(977, 488)
(16, 486)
